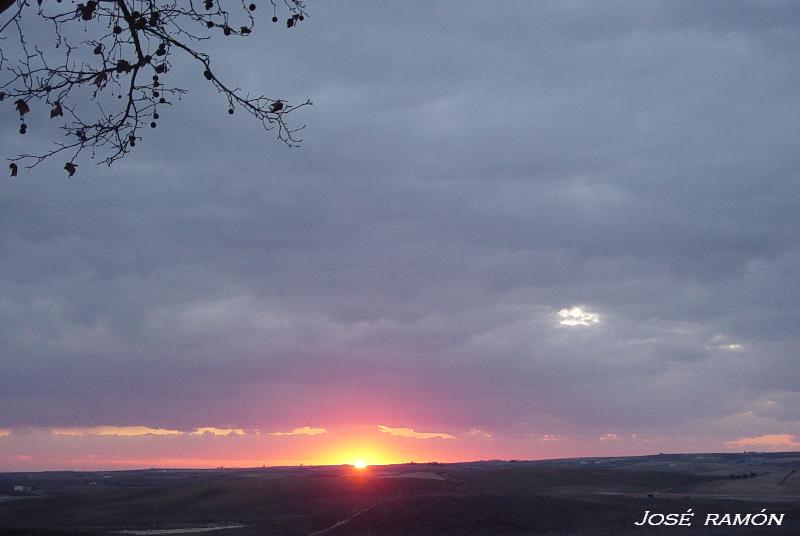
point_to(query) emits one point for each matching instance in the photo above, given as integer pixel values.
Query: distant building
(23, 489)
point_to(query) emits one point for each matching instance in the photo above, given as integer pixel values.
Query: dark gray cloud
(468, 170)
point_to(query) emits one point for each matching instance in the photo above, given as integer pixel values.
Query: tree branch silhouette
(110, 85)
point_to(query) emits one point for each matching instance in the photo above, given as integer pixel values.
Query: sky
(517, 230)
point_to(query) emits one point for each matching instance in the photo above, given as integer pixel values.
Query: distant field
(592, 496)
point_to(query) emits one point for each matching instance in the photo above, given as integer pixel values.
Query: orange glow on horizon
(361, 447)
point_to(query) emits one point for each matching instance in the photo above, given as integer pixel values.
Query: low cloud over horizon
(408, 432)
(574, 229)
(305, 430)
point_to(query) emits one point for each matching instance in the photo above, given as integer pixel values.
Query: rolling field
(576, 496)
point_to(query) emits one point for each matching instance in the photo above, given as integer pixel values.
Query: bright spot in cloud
(577, 316)
(5, 432)
(218, 431)
(114, 431)
(609, 437)
(721, 342)
(549, 437)
(305, 430)
(477, 432)
(408, 432)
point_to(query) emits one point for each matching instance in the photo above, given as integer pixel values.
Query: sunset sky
(513, 230)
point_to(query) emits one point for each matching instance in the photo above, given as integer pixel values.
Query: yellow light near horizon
(370, 448)
(360, 464)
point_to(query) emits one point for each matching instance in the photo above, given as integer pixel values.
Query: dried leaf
(22, 107)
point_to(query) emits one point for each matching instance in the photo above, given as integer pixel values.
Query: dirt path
(788, 475)
(189, 530)
(349, 519)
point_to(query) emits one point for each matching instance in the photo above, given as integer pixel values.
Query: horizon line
(302, 465)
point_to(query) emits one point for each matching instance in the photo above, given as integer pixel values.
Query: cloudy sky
(512, 230)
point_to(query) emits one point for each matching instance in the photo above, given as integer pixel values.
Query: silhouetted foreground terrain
(589, 496)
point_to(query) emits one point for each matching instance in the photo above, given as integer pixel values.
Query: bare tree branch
(5, 4)
(109, 86)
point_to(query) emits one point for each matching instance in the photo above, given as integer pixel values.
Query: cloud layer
(408, 432)
(305, 430)
(576, 222)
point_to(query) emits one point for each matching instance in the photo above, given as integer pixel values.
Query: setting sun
(360, 464)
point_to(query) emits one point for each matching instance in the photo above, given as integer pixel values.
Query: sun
(360, 464)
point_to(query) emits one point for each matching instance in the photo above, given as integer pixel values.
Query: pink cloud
(408, 432)
(113, 431)
(305, 430)
(766, 442)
